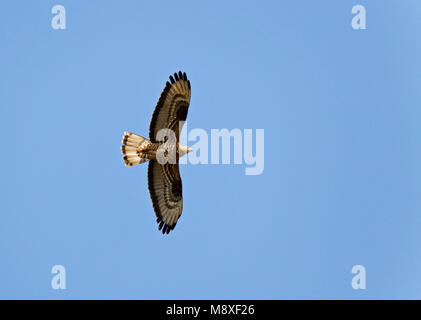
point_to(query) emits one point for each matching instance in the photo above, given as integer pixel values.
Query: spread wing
(165, 187)
(172, 106)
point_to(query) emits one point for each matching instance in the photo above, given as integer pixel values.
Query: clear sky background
(341, 185)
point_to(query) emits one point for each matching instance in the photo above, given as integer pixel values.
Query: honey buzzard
(164, 181)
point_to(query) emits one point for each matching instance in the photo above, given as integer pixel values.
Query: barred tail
(132, 148)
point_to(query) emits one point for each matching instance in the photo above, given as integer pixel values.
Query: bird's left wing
(165, 188)
(172, 106)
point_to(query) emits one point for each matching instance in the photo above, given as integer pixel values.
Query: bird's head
(184, 150)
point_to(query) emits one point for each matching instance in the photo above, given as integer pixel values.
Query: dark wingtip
(177, 77)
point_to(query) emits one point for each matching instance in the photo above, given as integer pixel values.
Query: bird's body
(163, 151)
(138, 149)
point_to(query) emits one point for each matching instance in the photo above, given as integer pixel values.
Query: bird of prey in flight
(164, 181)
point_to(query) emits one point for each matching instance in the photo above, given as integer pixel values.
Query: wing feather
(165, 188)
(172, 106)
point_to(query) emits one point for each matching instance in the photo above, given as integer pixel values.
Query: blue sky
(340, 109)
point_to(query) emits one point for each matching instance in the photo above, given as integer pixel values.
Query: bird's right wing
(165, 188)
(172, 106)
